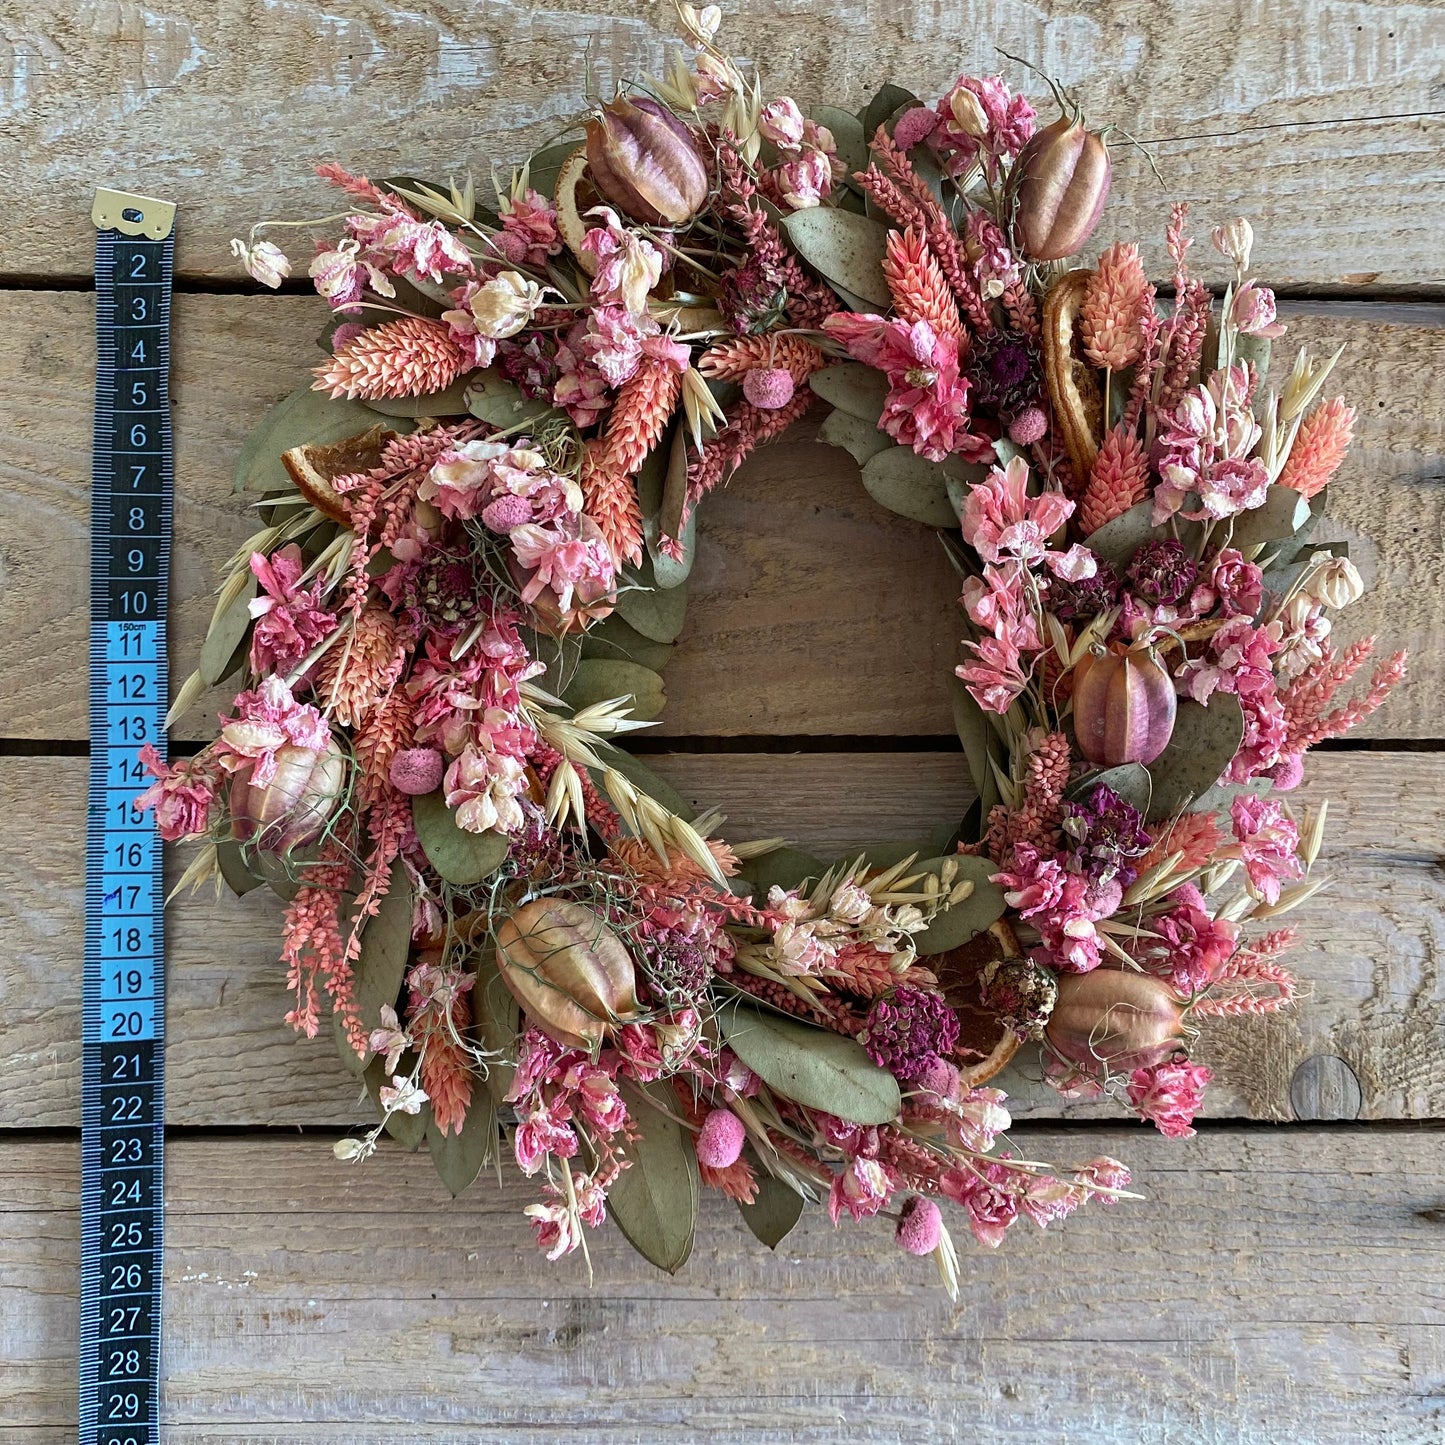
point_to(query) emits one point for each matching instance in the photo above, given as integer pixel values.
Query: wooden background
(1283, 1280)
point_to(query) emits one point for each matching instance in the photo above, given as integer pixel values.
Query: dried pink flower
(1169, 1095)
(720, 1140)
(920, 1226)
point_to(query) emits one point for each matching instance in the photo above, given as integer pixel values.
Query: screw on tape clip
(133, 215)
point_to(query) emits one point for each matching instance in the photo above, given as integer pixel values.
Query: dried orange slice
(985, 1041)
(1074, 394)
(314, 468)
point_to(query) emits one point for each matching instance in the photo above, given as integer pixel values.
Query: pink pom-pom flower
(720, 1140)
(920, 1226)
(768, 387)
(417, 770)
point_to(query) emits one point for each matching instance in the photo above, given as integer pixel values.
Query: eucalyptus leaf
(1007, 451)
(848, 138)
(861, 439)
(781, 868)
(960, 479)
(500, 403)
(655, 1200)
(546, 164)
(1131, 781)
(656, 612)
(1253, 349)
(812, 1066)
(599, 679)
(617, 639)
(850, 386)
(955, 926)
(461, 857)
(1291, 547)
(1204, 741)
(499, 1021)
(774, 1211)
(223, 641)
(459, 1157)
(662, 494)
(1117, 541)
(974, 733)
(232, 863)
(452, 401)
(409, 1130)
(559, 655)
(385, 949)
(910, 485)
(305, 417)
(1218, 798)
(889, 98)
(1284, 513)
(844, 248)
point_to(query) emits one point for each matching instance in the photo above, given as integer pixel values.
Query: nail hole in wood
(1325, 1087)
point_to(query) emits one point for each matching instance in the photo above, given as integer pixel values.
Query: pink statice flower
(981, 122)
(611, 342)
(290, 620)
(980, 1117)
(990, 255)
(565, 555)
(1253, 312)
(485, 478)
(581, 387)
(1047, 1200)
(1190, 947)
(804, 180)
(997, 675)
(1105, 1173)
(183, 794)
(556, 1228)
(1230, 486)
(1239, 661)
(861, 1188)
(988, 1192)
(1238, 586)
(1204, 447)
(1267, 843)
(782, 123)
(267, 719)
(628, 264)
(927, 404)
(1169, 1095)
(423, 250)
(343, 276)
(529, 234)
(1001, 521)
(1063, 906)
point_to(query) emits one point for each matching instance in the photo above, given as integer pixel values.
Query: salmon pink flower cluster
(479, 529)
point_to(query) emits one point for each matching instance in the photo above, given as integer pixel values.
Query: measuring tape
(122, 1053)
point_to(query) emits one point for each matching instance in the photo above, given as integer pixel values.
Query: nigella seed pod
(291, 810)
(1124, 707)
(644, 160)
(1061, 181)
(568, 970)
(1117, 1018)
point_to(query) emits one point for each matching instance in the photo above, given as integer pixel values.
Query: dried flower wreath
(479, 525)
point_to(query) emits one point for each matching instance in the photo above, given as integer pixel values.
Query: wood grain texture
(1272, 1292)
(812, 610)
(1373, 943)
(1291, 111)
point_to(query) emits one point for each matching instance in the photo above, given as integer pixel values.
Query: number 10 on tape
(123, 1030)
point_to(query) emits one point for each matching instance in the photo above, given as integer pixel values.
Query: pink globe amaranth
(416, 771)
(920, 1226)
(1124, 707)
(769, 388)
(720, 1141)
(1060, 182)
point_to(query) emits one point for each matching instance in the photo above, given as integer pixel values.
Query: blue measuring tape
(122, 1054)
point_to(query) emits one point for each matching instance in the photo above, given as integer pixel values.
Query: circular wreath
(479, 525)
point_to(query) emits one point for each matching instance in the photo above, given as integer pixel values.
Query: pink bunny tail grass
(1319, 447)
(410, 357)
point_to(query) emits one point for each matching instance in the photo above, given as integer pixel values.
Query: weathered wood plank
(1278, 1286)
(1372, 942)
(1307, 109)
(813, 610)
